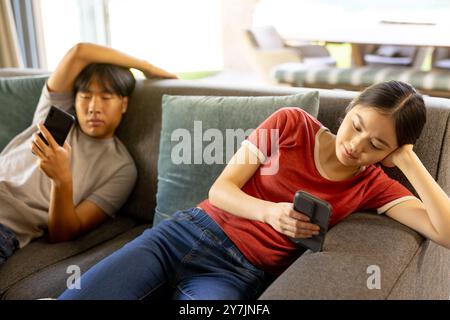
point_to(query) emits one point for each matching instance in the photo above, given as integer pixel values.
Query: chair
(441, 58)
(266, 49)
(383, 55)
(268, 38)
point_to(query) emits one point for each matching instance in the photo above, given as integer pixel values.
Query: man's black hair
(113, 79)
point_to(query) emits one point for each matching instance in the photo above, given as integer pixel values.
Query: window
(61, 28)
(289, 13)
(177, 35)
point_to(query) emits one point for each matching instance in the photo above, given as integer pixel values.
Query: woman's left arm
(431, 217)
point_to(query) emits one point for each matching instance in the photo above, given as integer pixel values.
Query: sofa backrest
(18, 100)
(140, 131)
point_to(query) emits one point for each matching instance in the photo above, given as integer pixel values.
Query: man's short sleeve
(385, 192)
(64, 101)
(112, 194)
(277, 130)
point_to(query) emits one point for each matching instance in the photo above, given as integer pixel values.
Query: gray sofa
(409, 266)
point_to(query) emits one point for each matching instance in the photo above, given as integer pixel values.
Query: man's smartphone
(58, 123)
(319, 212)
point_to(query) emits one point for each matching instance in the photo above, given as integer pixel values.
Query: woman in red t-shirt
(227, 246)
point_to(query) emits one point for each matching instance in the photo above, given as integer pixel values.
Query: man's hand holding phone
(283, 218)
(54, 159)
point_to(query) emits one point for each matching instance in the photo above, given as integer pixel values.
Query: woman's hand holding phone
(319, 211)
(283, 218)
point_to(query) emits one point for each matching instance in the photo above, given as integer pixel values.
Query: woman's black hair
(111, 78)
(399, 100)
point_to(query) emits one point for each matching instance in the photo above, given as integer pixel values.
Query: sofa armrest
(21, 72)
(356, 250)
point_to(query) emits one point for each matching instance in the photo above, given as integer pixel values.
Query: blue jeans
(8, 243)
(187, 257)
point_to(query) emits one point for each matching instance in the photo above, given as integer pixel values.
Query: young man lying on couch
(70, 189)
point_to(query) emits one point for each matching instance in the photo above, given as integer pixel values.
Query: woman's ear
(124, 105)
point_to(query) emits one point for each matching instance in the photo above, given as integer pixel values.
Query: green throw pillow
(189, 165)
(19, 97)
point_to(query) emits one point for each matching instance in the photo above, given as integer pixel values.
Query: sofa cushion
(51, 280)
(359, 247)
(434, 82)
(18, 99)
(40, 254)
(200, 134)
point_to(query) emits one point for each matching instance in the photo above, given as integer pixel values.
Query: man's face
(366, 136)
(99, 112)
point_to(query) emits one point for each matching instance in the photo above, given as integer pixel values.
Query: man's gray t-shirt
(102, 169)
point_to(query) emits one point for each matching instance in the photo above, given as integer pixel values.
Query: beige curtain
(9, 44)
(39, 33)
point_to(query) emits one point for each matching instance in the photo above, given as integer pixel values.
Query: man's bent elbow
(54, 238)
(78, 50)
(59, 235)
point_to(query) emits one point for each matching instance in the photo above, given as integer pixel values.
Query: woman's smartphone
(58, 123)
(319, 212)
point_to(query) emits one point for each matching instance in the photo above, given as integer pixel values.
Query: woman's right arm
(83, 54)
(226, 194)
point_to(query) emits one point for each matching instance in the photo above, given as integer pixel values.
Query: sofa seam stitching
(406, 267)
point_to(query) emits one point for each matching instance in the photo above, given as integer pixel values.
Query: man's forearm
(63, 222)
(92, 53)
(83, 54)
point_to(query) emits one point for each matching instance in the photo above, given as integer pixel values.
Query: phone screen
(58, 123)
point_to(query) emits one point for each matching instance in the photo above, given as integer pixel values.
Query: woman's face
(366, 136)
